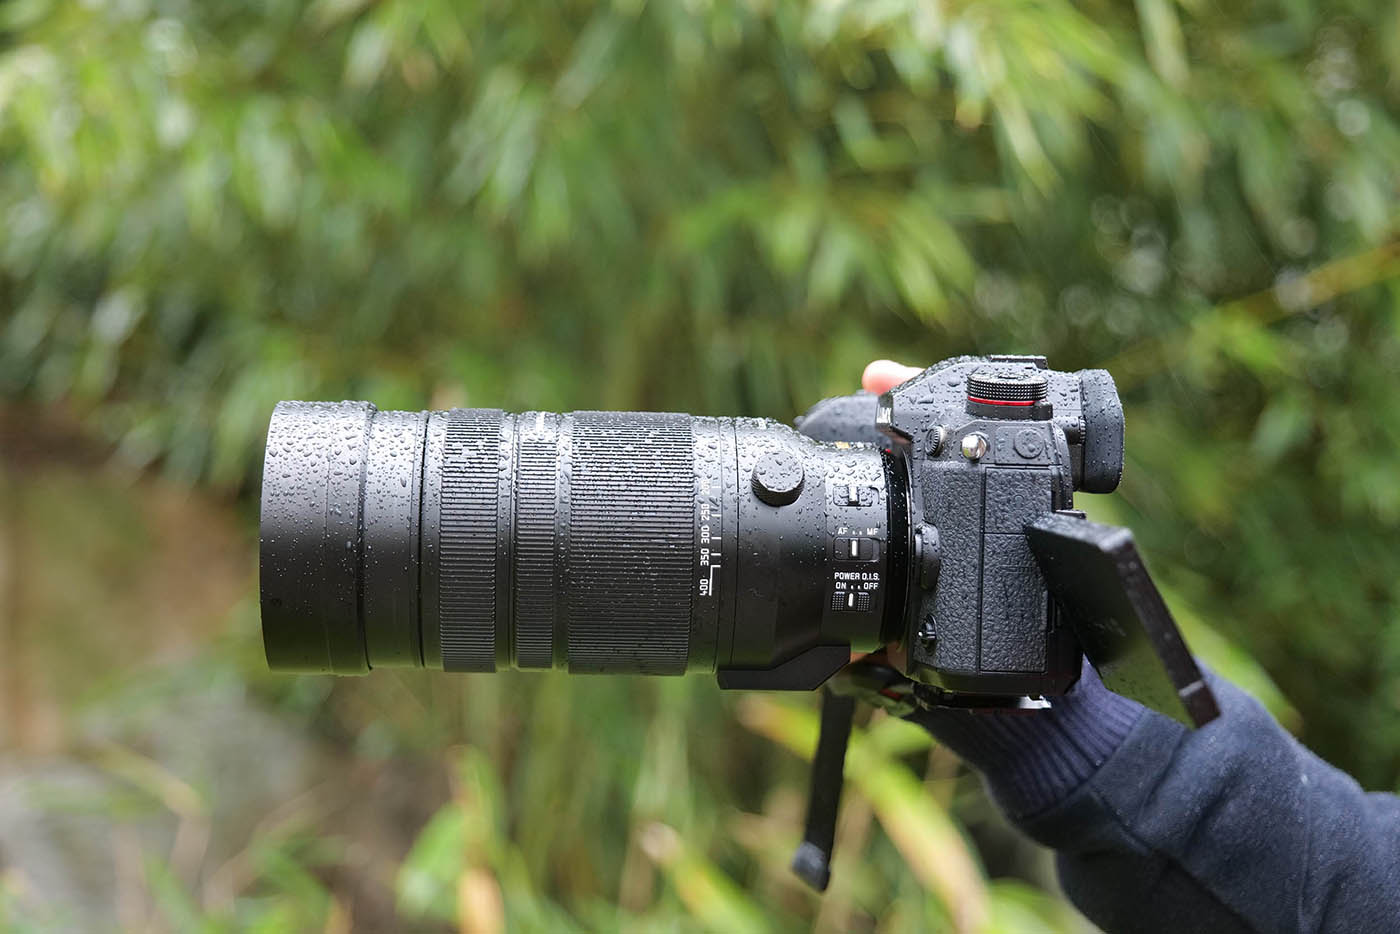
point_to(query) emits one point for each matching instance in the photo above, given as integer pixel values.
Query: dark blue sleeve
(1232, 827)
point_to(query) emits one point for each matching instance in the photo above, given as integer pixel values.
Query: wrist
(1033, 760)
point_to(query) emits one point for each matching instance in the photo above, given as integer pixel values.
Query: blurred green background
(708, 206)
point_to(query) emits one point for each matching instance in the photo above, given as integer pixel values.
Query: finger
(884, 375)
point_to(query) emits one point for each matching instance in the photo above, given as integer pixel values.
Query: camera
(936, 520)
(643, 543)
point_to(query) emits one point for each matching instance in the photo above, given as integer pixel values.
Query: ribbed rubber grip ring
(536, 492)
(467, 536)
(631, 542)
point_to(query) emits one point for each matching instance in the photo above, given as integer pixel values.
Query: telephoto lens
(477, 540)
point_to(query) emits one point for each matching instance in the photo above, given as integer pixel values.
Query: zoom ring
(631, 542)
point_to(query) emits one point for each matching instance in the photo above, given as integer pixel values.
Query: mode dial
(1008, 394)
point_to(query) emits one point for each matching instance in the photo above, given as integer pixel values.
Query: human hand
(883, 375)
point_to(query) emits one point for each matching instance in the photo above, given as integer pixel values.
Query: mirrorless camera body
(989, 446)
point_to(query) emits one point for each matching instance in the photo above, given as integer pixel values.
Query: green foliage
(728, 208)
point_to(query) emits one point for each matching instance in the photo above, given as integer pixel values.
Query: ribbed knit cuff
(1032, 760)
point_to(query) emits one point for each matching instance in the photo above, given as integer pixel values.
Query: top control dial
(1008, 394)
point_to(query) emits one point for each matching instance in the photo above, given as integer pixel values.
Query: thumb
(884, 375)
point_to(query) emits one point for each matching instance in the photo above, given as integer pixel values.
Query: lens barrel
(618, 542)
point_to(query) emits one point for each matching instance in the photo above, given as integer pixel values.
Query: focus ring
(631, 543)
(467, 536)
(536, 479)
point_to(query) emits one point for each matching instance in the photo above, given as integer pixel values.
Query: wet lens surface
(609, 542)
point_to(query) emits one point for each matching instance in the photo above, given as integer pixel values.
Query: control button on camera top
(855, 549)
(974, 446)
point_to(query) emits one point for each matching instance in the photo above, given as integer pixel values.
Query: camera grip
(843, 418)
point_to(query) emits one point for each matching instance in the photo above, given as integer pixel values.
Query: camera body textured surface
(991, 444)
